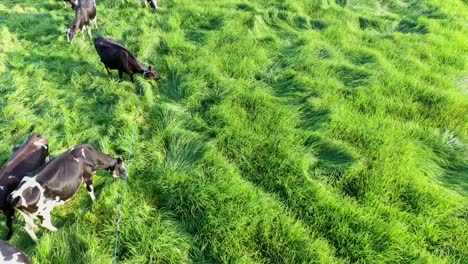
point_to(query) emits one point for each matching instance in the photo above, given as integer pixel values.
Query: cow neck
(142, 67)
(102, 161)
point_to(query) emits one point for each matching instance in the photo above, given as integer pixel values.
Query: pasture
(281, 131)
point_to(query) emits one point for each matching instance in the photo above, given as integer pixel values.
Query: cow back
(116, 56)
(26, 158)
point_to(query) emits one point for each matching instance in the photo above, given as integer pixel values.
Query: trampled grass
(313, 131)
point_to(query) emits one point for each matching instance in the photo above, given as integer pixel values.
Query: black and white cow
(58, 181)
(11, 255)
(85, 13)
(27, 157)
(115, 56)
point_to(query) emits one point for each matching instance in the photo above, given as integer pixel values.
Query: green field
(282, 131)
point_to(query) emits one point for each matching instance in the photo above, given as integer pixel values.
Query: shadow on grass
(39, 28)
(55, 66)
(456, 178)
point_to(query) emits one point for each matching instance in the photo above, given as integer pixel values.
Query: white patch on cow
(14, 260)
(77, 160)
(82, 153)
(29, 182)
(11, 177)
(2, 187)
(91, 193)
(40, 144)
(72, 148)
(45, 208)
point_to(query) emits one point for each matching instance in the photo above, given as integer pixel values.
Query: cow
(116, 57)
(58, 181)
(27, 157)
(85, 13)
(11, 255)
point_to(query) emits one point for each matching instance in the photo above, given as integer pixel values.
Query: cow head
(151, 74)
(118, 170)
(35, 139)
(71, 32)
(39, 140)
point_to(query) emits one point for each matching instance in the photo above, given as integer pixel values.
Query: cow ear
(15, 148)
(119, 160)
(149, 68)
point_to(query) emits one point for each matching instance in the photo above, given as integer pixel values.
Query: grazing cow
(115, 56)
(58, 181)
(11, 255)
(85, 13)
(27, 157)
(152, 3)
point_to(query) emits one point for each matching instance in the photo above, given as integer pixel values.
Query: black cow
(27, 157)
(117, 57)
(85, 13)
(58, 181)
(11, 255)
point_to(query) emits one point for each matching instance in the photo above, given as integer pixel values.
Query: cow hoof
(50, 228)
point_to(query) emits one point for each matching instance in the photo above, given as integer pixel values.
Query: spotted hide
(27, 157)
(58, 181)
(11, 255)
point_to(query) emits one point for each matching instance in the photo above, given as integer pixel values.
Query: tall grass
(281, 131)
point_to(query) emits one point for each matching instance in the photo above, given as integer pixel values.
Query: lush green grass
(281, 132)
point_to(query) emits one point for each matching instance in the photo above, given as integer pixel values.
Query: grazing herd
(114, 55)
(33, 185)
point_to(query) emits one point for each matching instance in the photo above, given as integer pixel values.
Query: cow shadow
(56, 4)
(39, 28)
(54, 67)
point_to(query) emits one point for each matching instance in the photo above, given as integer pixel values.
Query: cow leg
(120, 75)
(47, 222)
(89, 32)
(95, 23)
(131, 77)
(107, 68)
(10, 214)
(46, 219)
(29, 225)
(88, 179)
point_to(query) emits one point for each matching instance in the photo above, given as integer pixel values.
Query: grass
(281, 131)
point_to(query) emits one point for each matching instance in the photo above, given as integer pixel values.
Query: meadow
(282, 131)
